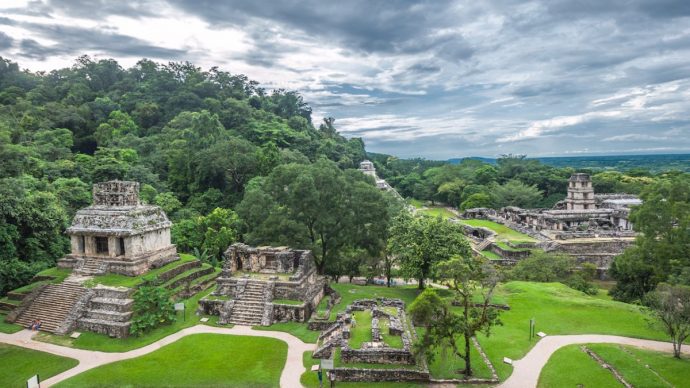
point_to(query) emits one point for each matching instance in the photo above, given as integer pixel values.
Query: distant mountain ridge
(653, 163)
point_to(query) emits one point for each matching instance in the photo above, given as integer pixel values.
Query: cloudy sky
(436, 79)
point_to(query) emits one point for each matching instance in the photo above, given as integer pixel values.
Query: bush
(543, 267)
(15, 273)
(152, 308)
(578, 282)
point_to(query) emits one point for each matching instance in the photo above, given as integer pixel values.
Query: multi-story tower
(580, 193)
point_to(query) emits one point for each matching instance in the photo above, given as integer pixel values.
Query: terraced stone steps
(249, 308)
(109, 312)
(189, 276)
(90, 267)
(52, 306)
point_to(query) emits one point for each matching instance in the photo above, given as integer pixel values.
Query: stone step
(111, 316)
(52, 306)
(244, 323)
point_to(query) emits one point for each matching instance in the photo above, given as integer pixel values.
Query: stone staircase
(52, 306)
(248, 309)
(90, 267)
(109, 312)
(484, 244)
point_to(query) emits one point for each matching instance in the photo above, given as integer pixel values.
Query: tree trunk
(468, 362)
(421, 283)
(388, 281)
(676, 348)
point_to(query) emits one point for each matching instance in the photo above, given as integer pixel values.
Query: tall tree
(662, 248)
(421, 242)
(670, 306)
(316, 206)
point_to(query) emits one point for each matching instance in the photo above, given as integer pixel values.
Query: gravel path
(89, 359)
(526, 370)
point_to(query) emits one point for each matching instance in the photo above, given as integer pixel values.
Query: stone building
(117, 234)
(580, 193)
(263, 285)
(581, 211)
(367, 168)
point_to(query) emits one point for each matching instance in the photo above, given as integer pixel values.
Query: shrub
(152, 308)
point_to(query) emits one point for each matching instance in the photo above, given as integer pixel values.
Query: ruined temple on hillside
(588, 226)
(262, 285)
(581, 211)
(118, 234)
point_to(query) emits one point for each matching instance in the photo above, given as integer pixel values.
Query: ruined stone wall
(375, 375)
(377, 356)
(290, 313)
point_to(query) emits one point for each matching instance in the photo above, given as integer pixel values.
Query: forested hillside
(194, 138)
(514, 180)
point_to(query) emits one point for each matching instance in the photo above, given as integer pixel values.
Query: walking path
(89, 359)
(526, 370)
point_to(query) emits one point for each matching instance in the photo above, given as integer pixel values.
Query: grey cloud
(75, 40)
(399, 26)
(5, 41)
(101, 8)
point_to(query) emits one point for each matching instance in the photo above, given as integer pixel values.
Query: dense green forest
(194, 139)
(514, 180)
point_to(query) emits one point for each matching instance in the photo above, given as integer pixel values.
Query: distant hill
(653, 163)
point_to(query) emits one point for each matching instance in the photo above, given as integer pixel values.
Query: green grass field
(437, 212)
(361, 329)
(557, 309)
(490, 255)
(8, 328)
(58, 275)
(639, 367)
(571, 367)
(502, 232)
(200, 360)
(20, 364)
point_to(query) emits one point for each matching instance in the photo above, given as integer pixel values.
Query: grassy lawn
(297, 329)
(437, 212)
(639, 367)
(394, 341)
(59, 275)
(101, 342)
(632, 363)
(361, 329)
(200, 360)
(571, 367)
(507, 247)
(490, 255)
(8, 328)
(503, 232)
(116, 280)
(20, 364)
(557, 309)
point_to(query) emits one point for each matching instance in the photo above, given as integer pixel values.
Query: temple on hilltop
(367, 168)
(118, 234)
(263, 285)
